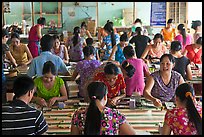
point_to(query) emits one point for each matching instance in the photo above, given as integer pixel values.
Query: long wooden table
(144, 120)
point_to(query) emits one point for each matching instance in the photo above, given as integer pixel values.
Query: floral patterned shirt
(178, 121)
(110, 122)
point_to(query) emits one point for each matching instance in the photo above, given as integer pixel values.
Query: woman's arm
(11, 58)
(188, 72)
(181, 80)
(126, 129)
(30, 57)
(39, 31)
(166, 130)
(88, 34)
(75, 130)
(145, 53)
(115, 48)
(74, 75)
(66, 58)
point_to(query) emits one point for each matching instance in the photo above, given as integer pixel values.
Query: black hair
(49, 67)
(199, 41)
(15, 35)
(109, 28)
(22, 84)
(195, 24)
(138, 30)
(46, 42)
(193, 114)
(88, 50)
(128, 51)
(176, 45)
(181, 27)
(89, 41)
(170, 21)
(41, 21)
(130, 69)
(55, 37)
(83, 24)
(138, 20)
(158, 35)
(96, 90)
(111, 68)
(76, 35)
(171, 57)
(124, 37)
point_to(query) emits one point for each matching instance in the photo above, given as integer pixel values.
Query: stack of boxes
(91, 26)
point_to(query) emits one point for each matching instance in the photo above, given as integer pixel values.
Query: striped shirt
(18, 118)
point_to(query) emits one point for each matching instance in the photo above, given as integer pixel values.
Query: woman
(137, 82)
(109, 41)
(98, 119)
(114, 81)
(118, 49)
(194, 52)
(75, 46)
(137, 23)
(182, 63)
(186, 118)
(20, 51)
(196, 25)
(50, 88)
(169, 32)
(35, 36)
(154, 51)
(141, 41)
(60, 50)
(85, 69)
(84, 32)
(161, 85)
(183, 37)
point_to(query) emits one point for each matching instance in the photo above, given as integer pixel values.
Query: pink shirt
(179, 37)
(136, 83)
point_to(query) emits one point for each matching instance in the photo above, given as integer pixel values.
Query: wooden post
(32, 8)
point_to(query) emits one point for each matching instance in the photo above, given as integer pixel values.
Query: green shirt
(45, 93)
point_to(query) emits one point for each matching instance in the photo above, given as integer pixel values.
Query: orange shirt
(169, 35)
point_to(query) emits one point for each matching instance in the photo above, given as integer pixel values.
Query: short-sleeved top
(157, 54)
(60, 53)
(179, 37)
(45, 93)
(169, 35)
(20, 56)
(165, 92)
(194, 57)
(140, 43)
(37, 63)
(76, 52)
(119, 56)
(111, 119)
(136, 83)
(178, 121)
(181, 65)
(113, 91)
(107, 41)
(86, 68)
(18, 118)
(5, 48)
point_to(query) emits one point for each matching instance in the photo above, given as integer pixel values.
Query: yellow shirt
(169, 35)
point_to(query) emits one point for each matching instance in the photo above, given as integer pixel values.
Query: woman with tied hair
(169, 32)
(183, 37)
(196, 25)
(186, 117)
(98, 119)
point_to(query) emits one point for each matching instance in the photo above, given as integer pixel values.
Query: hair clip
(93, 97)
(127, 64)
(188, 94)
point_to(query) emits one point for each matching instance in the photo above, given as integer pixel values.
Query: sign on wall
(158, 14)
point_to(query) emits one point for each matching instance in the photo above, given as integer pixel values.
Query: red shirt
(114, 90)
(194, 57)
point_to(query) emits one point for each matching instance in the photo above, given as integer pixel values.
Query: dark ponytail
(76, 35)
(138, 30)
(109, 28)
(181, 27)
(96, 90)
(185, 92)
(130, 69)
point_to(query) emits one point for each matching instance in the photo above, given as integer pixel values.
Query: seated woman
(114, 81)
(50, 88)
(182, 63)
(60, 50)
(98, 119)
(161, 85)
(19, 51)
(154, 51)
(117, 51)
(136, 83)
(85, 68)
(186, 118)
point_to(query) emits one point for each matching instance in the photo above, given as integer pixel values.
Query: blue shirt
(37, 63)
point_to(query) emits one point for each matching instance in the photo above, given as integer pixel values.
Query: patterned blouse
(162, 91)
(60, 53)
(113, 91)
(177, 119)
(110, 122)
